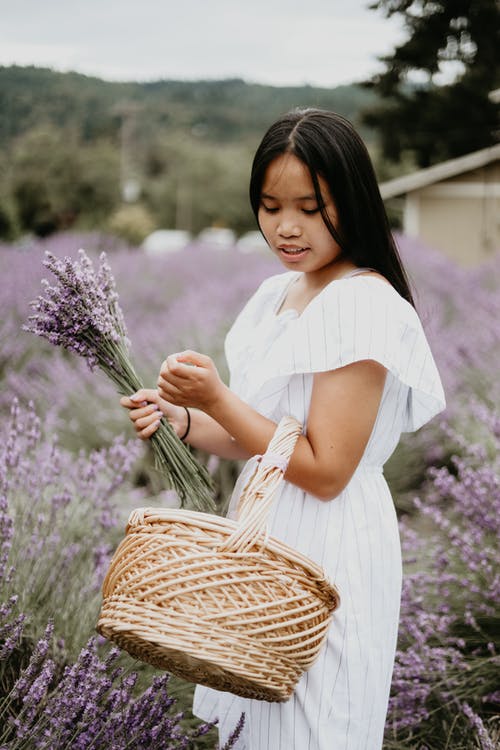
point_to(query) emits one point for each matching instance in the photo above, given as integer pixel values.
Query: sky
(292, 42)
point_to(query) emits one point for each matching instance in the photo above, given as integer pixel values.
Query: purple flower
(485, 742)
(235, 734)
(451, 589)
(28, 675)
(81, 313)
(92, 704)
(11, 628)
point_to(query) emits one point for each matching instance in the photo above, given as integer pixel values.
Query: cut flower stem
(81, 313)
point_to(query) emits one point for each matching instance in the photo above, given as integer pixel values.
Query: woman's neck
(316, 280)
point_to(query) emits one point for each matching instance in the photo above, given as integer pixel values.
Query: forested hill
(73, 147)
(220, 111)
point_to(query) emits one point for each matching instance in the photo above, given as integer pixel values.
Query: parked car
(217, 237)
(166, 241)
(252, 242)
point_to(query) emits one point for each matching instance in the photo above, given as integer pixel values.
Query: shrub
(132, 223)
(88, 704)
(58, 515)
(445, 685)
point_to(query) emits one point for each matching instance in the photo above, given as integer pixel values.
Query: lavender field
(71, 470)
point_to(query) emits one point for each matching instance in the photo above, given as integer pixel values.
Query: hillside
(219, 110)
(71, 146)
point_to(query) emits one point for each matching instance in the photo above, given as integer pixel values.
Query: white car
(165, 241)
(217, 237)
(252, 242)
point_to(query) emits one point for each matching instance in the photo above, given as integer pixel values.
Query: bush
(132, 223)
(59, 514)
(88, 704)
(445, 685)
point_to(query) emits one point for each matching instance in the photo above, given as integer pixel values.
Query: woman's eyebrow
(311, 197)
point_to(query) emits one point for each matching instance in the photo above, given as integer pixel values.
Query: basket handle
(258, 494)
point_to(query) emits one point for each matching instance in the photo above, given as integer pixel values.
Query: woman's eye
(310, 211)
(269, 209)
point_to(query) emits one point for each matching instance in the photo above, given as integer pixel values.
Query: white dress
(341, 702)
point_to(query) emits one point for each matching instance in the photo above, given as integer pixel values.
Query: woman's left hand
(190, 379)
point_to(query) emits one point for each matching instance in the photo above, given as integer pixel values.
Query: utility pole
(130, 183)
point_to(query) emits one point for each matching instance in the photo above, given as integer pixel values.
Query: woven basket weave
(216, 601)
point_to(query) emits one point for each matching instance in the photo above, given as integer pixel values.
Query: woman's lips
(292, 252)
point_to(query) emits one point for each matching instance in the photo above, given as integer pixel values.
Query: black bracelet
(188, 423)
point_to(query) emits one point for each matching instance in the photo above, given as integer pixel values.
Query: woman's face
(290, 217)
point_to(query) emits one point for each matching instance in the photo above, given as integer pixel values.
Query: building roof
(439, 172)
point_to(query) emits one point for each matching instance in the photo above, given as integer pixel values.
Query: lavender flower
(27, 677)
(6, 531)
(235, 734)
(485, 742)
(81, 313)
(447, 655)
(58, 513)
(448, 648)
(11, 628)
(92, 704)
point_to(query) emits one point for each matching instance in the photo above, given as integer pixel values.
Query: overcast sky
(321, 42)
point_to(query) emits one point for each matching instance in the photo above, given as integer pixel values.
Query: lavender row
(445, 683)
(61, 511)
(58, 527)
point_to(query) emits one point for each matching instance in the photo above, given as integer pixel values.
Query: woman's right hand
(146, 409)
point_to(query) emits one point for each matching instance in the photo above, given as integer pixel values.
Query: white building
(454, 206)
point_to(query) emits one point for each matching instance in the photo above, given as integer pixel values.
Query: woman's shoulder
(368, 294)
(363, 317)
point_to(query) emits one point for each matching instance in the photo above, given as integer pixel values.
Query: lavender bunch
(81, 313)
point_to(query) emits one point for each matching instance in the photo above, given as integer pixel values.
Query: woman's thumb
(190, 357)
(144, 394)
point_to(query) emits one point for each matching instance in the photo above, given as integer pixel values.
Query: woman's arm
(344, 405)
(146, 408)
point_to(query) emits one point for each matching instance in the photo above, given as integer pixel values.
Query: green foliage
(30, 96)
(217, 111)
(55, 181)
(71, 139)
(132, 223)
(419, 113)
(196, 186)
(8, 219)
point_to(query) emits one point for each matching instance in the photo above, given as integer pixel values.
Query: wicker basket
(216, 601)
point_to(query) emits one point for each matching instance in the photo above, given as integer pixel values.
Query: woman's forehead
(288, 174)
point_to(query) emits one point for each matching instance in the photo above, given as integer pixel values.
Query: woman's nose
(288, 226)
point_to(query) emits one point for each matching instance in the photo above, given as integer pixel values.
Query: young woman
(335, 341)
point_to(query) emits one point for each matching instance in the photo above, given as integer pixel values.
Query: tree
(435, 89)
(56, 182)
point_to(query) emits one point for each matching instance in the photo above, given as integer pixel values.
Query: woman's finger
(144, 394)
(127, 402)
(175, 367)
(166, 383)
(149, 430)
(190, 357)
(146, 420)
(169, 379)
(169, 392)
(144, 411)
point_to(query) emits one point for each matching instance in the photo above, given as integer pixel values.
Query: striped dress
(341, 702)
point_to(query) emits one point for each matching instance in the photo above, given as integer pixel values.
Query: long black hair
(330, 147)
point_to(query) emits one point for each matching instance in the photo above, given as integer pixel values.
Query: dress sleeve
(364, 319)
